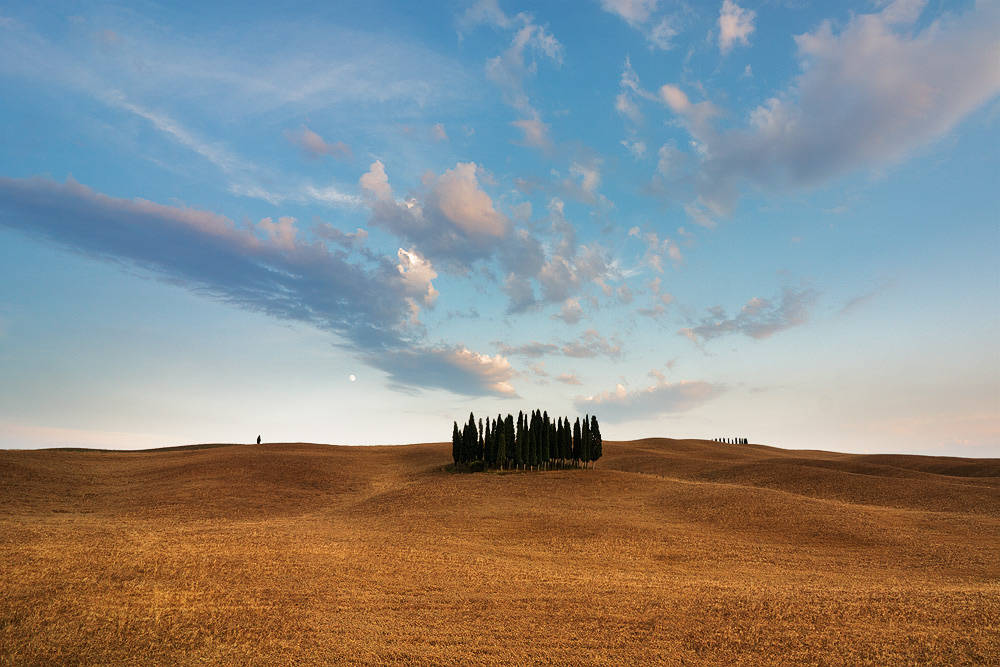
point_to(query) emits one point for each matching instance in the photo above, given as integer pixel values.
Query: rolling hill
(668, 552)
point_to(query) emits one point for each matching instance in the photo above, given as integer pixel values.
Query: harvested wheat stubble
(672, 552)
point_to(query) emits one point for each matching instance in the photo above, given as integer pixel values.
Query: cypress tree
(585, 441)
(487, 445)
(559, 440)
(554, 434)
(456, 443)
(509, 434)
(479, 443)
(519, 442)
(533, 441)
(576, 442)
(566, 442)
(471, 442)
(597, 445)
(543, 440)
(463, 455)
(501, 447)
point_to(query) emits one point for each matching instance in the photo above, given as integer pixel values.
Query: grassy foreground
(670, 552)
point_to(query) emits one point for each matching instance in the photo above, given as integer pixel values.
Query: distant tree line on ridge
(533, 442)
(732, 441)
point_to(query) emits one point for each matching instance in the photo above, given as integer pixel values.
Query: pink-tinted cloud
(314, 146)
(662, 398)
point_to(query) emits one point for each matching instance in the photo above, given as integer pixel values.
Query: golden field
(669, 552)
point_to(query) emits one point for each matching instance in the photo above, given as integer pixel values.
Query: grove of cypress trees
(535, 441)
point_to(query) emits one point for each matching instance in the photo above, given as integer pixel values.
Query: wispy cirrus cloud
(759, 318)
(593, 344)
(587, 345)
(663, 398)
(516, 64)
(640, 15)
(532, 349)
(266, 267)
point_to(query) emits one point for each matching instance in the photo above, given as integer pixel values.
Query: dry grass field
(670, 552)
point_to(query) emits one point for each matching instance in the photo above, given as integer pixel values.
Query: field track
(669, 552)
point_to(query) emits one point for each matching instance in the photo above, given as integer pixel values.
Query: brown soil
(670, 552)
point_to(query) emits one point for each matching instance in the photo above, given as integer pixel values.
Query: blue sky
(356, 222)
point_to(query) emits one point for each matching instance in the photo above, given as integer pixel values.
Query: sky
(358, 222)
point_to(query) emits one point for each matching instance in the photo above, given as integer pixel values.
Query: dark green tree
(543, 440)
(501, 447)
(585, 441)
(519, 449)
(456, 444)
(479, 442)
(509, 437)
(576, 442)
(596, 444)
(471, 440)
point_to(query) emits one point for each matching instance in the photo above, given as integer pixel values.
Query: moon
(351, 378)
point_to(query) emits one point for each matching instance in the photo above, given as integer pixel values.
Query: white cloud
(626, 107)
(452, 221)
(376, 182)
(332, 195)
(535, 132)
(636, 148)
(868, 95)
(438, 132)
(735, 25)
(662, 34)
(662, 398)
(509, 70)
(638, 14)
(483, 12)
(417, 275)
(635, 12)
